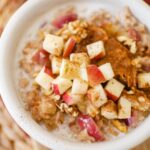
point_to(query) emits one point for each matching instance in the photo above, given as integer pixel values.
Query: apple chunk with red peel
(61, 20)
(86, 122)
(97, 96)
(96, 50)
(83, 72)
(81, 58)
(53, 44)
(79, 87)
(114, 89)
(44, 78)
(61, 85)
(95, 77)
(41, 57)
(56, 64)
(69, 47)
(107, 71)
(72, 99)
(124, 108)
(144, 80)
(69, 70)
(109, 110)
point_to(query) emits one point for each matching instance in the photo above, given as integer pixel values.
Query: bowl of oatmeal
(79, 79)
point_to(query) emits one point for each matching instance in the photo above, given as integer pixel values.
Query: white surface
(14, 31)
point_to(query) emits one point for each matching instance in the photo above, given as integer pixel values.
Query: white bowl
(11, 36)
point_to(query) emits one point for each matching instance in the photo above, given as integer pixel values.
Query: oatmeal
(92, 72)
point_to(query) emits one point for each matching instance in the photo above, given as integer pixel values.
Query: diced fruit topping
(96, 50)
(81, 58)
(91, 110)
(109, 110)
(69, 70)
(45, 78)
(124, 108)
(107, 71)
(86, 122)
(56, 64)
(41, 57)
(72, 99)
(95, 77)
(61, 85)
(48, 71)
(79, 87)
(83, 73)
(134, 34)
(97, 96)
(61, 20)
(69, 47)
(144, 80)
(114, 89)
(53, 44)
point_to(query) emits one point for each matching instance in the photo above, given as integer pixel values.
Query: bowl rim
(142, 131)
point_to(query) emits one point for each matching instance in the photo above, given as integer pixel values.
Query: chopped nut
(68, 109)
(141, 99)
(77, 29)
(128, 42)
(120, 126)
(130, 92)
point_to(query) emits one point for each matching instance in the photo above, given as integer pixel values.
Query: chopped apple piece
(56, 64)
(83, 73)
(107, 71)
(61, 20)
(69, 47)
(53, 44)
(114, 89)
(91, 109)
(95, 77)
(97, 96)
(96, 50)
(109, 110)
(44, 78)
(124, 108)
(61, 85)
(41, 57)
(72, 99)
(79, 87)
(81, 58)
(69, 70)
(86, 122)
(144, 80)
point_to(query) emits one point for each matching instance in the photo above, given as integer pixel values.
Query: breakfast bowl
(20, 28)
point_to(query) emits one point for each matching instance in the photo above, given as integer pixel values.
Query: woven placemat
(11, 136)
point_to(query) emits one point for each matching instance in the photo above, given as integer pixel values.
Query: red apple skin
(111, 96)
(102, 54)
(41, 57)
(147, 1)
(55, 89)
(69, 47)
(67, 99)
(134, 34)
(86, 122)
(95, 76)
(48, 71)
(61, 20)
